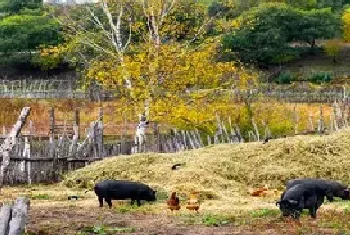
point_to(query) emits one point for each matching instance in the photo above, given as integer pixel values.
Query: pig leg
(109, 202)
(312, 212)
(100, 200)
(132, 202)
(138, 202)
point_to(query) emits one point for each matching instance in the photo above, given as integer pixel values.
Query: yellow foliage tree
(332, 48)
(346, 25)
(173, 71)
(48, 57)
(176, 77)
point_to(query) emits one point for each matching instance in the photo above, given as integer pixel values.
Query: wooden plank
(34, 159)
(90, 159)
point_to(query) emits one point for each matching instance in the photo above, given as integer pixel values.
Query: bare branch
(87, 41)
(115, 29)
(199, 31)
(98, 22)
(165, 11)
(148, 19)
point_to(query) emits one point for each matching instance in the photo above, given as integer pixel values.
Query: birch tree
(137, 43)
(96, 32)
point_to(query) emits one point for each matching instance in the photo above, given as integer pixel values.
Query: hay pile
(228, 170)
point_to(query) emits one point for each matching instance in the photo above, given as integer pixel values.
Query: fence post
(9, 142)
(28, 155)
(257, 136)
(77, 121)
(52, 120)
(310, 120)
(336, 127)
(156, 137)
(100, 133)
(5, 216)
(296, 120)
(13, 218)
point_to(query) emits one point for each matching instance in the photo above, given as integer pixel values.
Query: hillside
(303, 67)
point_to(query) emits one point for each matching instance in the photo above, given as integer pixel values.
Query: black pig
(299, 197)
(122, 189)
(331, 188)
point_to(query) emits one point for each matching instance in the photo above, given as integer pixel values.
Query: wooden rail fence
(96, 92)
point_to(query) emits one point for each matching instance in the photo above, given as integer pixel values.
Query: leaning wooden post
(5, 216)
(9, 142)
(19, 216)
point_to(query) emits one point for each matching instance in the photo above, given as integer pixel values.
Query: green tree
(13, 7)
(24, 29)
(263, 33)
(316, 24)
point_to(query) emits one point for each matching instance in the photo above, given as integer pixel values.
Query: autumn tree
(332, 48)
(171, 58)
(346, 25)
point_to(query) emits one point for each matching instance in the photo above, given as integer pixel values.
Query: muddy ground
(51, 213)
(80, 219)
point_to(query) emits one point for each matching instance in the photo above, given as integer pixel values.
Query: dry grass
(223, 174)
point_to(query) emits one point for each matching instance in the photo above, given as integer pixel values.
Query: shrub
(284, 78)
(320, 77)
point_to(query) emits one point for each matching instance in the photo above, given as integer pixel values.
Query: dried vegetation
(223, 174)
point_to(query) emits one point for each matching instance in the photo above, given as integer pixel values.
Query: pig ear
(283, 203)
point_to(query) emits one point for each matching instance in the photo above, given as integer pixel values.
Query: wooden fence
(25, 159)
(96, 92)
(13, 217)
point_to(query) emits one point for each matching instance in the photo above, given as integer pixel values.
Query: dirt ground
(50, 213)
(46, 218)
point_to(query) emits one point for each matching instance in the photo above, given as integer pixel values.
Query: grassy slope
(224, 173)
(321, 62)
